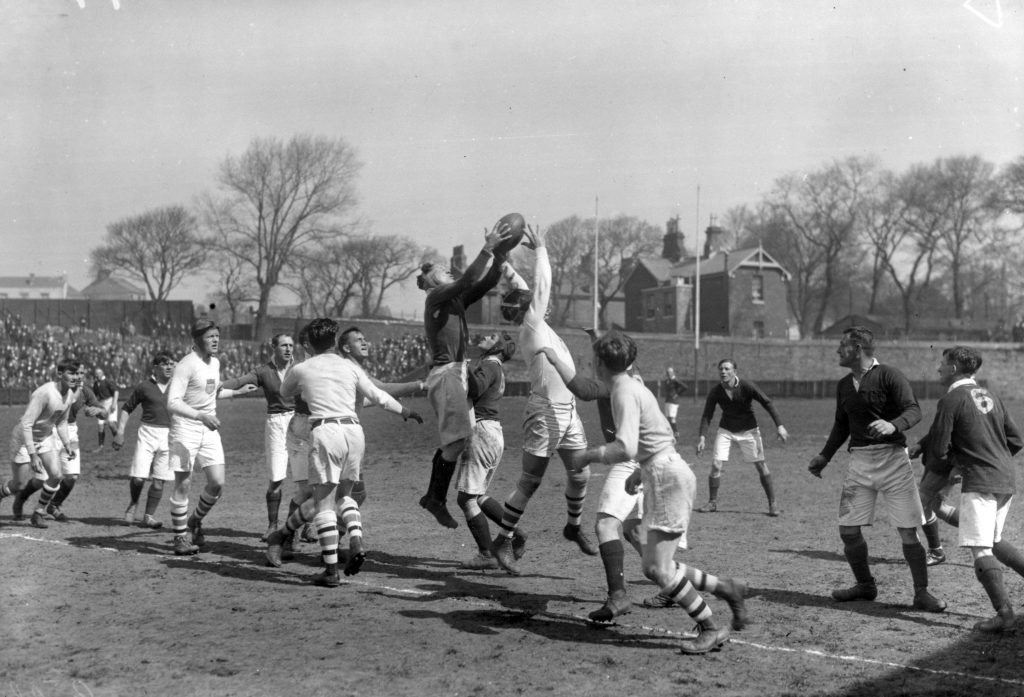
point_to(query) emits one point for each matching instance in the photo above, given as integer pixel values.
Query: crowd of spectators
(30, 354)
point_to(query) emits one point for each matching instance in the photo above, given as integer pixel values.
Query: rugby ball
(517, 226)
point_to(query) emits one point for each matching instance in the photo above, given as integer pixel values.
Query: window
(651, 302)
(668, 308)
(757, 288)
(758, 329)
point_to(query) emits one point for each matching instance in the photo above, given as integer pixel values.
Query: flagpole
(696, 302)
(597, 309)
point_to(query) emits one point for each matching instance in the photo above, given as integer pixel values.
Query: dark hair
(966, 359)
(343, 337)
(277, 337)
(201, 326)
(303, 335)
(729, 361)
(323, 332)
(425, 269)
(69, 364)
(163, 358)
(862, 338)
(515, 303)
(616, 351)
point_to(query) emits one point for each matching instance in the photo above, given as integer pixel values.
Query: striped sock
(326, 524)
(515, 504)
(350, 518)
(153, 498)
(299, 517)
(46, 497)
(491, 508)
(682, 592)
(179, 516)
(575, 494)
(206, 502)
(700, 580)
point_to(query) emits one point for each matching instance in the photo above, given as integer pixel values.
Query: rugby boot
(183, 547)
(990, 575)
(129, 515)
(270, 528)
(858, 591)
(574, 533)
(150, 522)
(732, 590)
(773, 510)
(439, 510)
(658, 602)
(288, 548)
(935, 556)
(196, 528)
(481, 562)
(356, 556)
(57, 514)
(518, 544)
(274, 552)
(617, 604)
(38, 521)
(710, 507)
(709, 638)
(501, 550)
(923, 600)
(328, 579)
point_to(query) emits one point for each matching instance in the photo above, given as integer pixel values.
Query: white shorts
(550, 427)
(614, 500)
(275, 445)
(19, 453)
(669, 488)
(336, 452)
(152, 454)
(880, 469)
(71, 466)
(193, 445)
(671, 409)
(480, 458)
(749, 443)
(111, 417)
(982, 517)
(297, 439)
(447, 390)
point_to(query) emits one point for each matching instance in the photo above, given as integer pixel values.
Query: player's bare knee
(528, 484)
(607, 527)
(451, 452)
(716, 469)
(469, 503)
(762, 468)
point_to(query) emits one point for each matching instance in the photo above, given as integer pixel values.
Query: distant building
(742, 292)
(34, 287)
(108, 287)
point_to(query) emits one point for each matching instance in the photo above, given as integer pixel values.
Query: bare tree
(569, 242)
(622, 241)
(235, 287)
(381, 262)
(326, 279)
(159, 248)
(278, 198)
(1011, 185)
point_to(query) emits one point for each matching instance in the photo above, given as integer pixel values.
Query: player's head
(615, 352)
(670, 373)
(353, 344)
(726, 370)
(98, 373)
(433, 275)
(69, 372)
(515, 304)
(856, 342)
(205, 336)
(501, 345)
(957, 363)
(323, 334)
(163, 365)
(284, 347)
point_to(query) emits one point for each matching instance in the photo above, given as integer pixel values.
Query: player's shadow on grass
(869, 608)
(432, 569)
(570, 630)
(828, 555)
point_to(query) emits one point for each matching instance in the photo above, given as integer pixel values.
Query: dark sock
(931, 533)
(480, 531)
(1009, 555)
(66, 486)
(135, 485)
(917, 558)
(855, 547)
(990, 574)
(32, 486)
(612, 554)
(492, 508)
(153, 497)
(273, 506)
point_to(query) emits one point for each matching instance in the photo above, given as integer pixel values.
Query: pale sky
(464, 111)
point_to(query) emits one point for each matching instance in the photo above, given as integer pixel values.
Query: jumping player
(643, 434)
(551, 423)
(193, 438)
(106, 391)
(973, 431)
(738, 425)
(279, 414)
(444, 321)
(875, 406)
(151, 458)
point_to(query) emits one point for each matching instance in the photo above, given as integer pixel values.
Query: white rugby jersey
(330, 385)
(193, 388)
(46, 408)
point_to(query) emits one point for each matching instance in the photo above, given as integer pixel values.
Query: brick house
(742, 292)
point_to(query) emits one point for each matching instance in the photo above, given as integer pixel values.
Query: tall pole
(597, 306)
(696, 300)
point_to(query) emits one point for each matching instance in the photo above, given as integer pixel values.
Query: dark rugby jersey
(486, 387)
(589, 390)
(884, 394)
(265, 377)
(444, 314)
(153, 401)
(104, 388)
(973, 431)
(86, 398)
(672, 390)
(738, 410)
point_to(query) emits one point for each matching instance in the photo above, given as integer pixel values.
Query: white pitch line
(557, 615)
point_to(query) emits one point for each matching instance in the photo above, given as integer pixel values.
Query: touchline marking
(566, 616)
